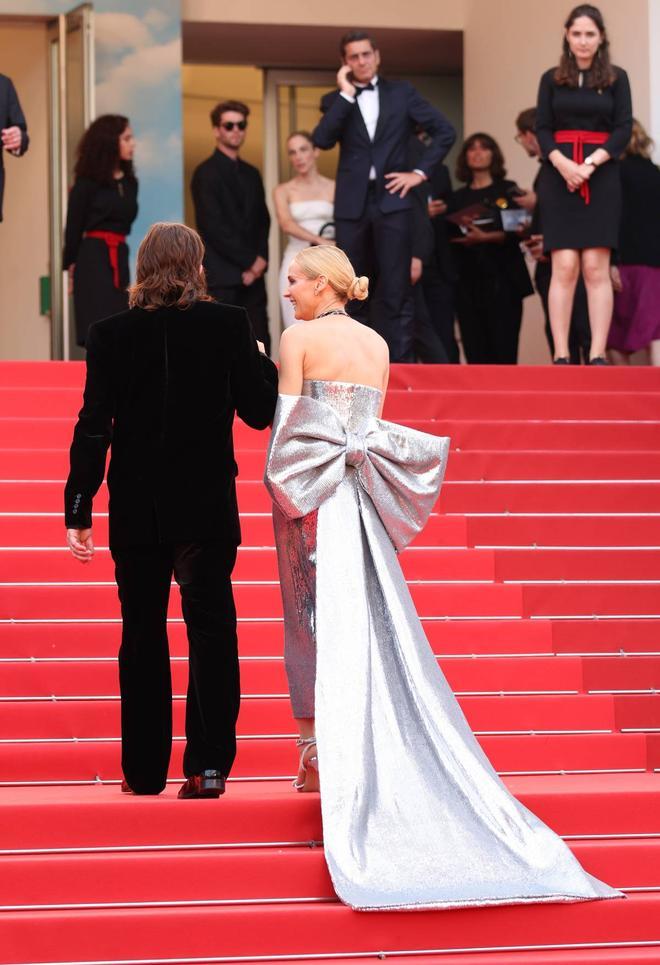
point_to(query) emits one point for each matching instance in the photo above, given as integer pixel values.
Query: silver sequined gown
(414, 816)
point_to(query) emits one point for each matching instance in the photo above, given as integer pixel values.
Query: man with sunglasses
(233, 220)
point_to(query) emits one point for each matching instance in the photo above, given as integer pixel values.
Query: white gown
(310, 215)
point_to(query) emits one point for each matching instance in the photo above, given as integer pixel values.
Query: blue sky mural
(138, 73)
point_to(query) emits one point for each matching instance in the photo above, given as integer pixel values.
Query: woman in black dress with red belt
(102, 207)
(584, 120)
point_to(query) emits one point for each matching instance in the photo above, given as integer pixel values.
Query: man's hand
(11, 138)
(80, 543)
(343, 83)
(436, 206)
(248, 278)
(416, 269)
(70, 270)
(401, 182)
(259, 266)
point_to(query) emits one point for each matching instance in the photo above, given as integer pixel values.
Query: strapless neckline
(359, 385)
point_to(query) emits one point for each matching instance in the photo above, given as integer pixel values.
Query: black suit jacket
(162, 387)
(401, 109)
(11, 115)
(232, 217)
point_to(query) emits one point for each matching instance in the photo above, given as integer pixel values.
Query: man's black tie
(358, 90)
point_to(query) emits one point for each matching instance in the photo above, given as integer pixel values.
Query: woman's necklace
(332, 311)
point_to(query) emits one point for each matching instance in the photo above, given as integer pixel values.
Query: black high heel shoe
(598, 360)
(562, 360)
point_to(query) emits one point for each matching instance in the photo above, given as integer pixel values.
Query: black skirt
(570, 223)
(94, 293)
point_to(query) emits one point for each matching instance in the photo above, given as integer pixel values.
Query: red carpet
(538, 581)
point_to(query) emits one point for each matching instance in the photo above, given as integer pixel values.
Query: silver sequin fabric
(414, 815)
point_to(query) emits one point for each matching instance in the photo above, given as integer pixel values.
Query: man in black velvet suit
(13, 128)
(372, 119)
(164, 380)
(233, 219)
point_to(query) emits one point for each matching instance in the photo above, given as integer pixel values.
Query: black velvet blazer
(162, 388)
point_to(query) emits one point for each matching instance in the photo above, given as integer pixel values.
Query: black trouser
(439, 298)
(144, 575)
(251, 297)
(380, 246)
(489, 317)
(579, 333)
(428, 344)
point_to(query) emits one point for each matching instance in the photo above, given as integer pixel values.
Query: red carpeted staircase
(538, 581)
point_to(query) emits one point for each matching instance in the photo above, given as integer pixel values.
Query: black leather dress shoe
(206, 784)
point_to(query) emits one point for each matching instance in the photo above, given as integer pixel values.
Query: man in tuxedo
(233, 219)
(372, 119)
(163, 382)
(13, 128)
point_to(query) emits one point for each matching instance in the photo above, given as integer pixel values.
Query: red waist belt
(578, 139)
(113, 240)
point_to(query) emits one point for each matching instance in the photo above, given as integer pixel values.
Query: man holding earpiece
(372, 119)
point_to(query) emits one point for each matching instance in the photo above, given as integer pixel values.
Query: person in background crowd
(636, 319)
(164, 380)
(579, 336)
(13, 128)
(102, 207)
(433, 269)
(233, 219)
(372, 119)
(304, 206)
(583, 124)
(492, 275)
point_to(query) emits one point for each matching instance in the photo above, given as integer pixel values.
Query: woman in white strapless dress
(304, 206)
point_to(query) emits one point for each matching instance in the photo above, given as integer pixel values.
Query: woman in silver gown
(414, 815)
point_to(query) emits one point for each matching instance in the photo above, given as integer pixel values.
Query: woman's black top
(491, 263)
(98, 207)
(639, 239)
(563, 108)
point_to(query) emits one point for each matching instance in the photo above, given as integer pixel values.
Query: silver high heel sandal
(309, 766)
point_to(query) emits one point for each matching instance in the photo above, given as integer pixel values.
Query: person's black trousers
(440, 299)
(144, 576)
(380, 246)
(579, 334)
(253, 299)
(428, 344)
(489, 318)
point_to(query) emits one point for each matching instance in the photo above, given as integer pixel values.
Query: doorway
(50, 61)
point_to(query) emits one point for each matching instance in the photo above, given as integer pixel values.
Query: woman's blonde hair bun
(332, 263)
(359, 289)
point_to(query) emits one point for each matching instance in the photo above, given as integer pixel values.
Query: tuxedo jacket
(232, 217)
(162, 388)
(11, 115)
(401, 109)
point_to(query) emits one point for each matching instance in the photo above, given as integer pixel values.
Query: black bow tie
(369, 86)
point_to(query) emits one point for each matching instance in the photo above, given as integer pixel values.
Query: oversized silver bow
(401, 469)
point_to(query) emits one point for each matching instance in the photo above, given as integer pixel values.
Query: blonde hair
(334, 265)
(640, 144)
(167, 272)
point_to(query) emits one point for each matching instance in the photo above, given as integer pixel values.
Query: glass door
(71, 93)
(291, 103)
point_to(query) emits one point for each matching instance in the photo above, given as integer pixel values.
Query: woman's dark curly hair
(601, 73)
(98, 151)
(497, 169)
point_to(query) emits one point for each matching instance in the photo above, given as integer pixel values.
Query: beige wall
(24, 333)
(434, 14)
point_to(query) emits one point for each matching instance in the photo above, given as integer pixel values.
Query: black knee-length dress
(568, 221)
(98, 291)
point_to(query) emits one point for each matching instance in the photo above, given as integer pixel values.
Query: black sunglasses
(230, 125)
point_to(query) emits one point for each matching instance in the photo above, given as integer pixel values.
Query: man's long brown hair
(601, 73)
(168, 268)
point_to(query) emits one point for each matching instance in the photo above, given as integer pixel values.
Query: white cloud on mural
(142, 68)
(156, 153)
(121, 31)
